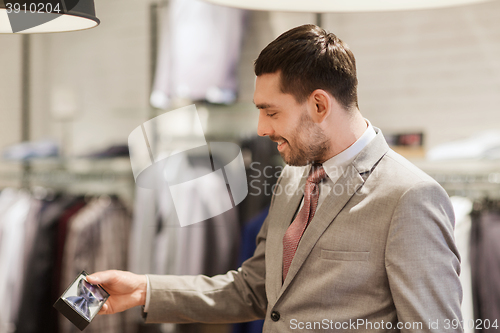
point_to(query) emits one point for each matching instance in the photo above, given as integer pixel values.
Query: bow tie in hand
(84, 299)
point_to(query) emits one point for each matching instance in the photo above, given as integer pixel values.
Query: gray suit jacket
(379, 256)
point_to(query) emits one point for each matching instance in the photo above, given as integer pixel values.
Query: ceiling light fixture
(43, 16)
(325, 6)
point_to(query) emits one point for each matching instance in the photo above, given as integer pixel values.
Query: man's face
(300, 140)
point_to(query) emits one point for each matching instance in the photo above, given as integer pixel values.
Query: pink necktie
(305, 215)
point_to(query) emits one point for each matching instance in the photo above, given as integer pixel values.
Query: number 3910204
(32, 8)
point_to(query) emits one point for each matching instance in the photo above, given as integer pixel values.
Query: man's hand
(126, 289)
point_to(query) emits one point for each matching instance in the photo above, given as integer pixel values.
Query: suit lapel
(283, 214)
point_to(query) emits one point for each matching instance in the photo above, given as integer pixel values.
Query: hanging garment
(30, 233)
(485, 266)
(248, 245)
(143, 231)
(198, 53)
(36, 314)
(97, 240)
(209, 247)
(62, 228)
(14, 207)
(263, 167)
(462, 208)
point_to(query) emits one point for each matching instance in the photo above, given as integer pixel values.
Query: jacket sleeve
(236, 296)
(423, 263)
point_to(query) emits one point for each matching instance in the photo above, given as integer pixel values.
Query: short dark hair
(310, 58)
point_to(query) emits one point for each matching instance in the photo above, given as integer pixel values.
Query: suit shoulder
(401, 171)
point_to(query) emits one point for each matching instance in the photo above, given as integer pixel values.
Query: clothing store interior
(70, 103)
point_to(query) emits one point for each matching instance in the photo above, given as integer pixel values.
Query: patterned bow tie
(85, 298)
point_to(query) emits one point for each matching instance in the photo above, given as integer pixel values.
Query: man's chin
(293, 162)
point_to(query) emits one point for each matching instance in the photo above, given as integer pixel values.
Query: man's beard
(310, 144)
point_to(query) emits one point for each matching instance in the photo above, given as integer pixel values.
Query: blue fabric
(248, 235)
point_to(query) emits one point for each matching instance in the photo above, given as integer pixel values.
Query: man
(357, 238)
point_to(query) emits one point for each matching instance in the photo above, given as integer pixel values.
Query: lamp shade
(45, 16)
(324, 6)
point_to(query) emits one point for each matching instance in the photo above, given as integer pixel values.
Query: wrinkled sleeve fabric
(236, 296)
(422, 261)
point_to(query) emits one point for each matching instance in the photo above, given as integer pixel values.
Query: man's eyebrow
(263, 106)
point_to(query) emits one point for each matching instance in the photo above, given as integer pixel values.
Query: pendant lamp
(43, 16)
(325, 6)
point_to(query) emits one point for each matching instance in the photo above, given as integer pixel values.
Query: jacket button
(275, 315)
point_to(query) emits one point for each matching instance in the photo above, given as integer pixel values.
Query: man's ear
(320, 103)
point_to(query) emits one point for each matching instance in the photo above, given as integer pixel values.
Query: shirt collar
(335, 165)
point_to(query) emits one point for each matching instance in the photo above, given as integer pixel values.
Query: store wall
(89, 88)
(434, 70)
(437, 71)
(106, 69)
(10, 89)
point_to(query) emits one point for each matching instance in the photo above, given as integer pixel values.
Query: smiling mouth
(281, 145)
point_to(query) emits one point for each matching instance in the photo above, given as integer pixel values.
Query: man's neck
(348, 128)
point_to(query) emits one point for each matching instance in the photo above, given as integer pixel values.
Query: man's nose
(264, 127)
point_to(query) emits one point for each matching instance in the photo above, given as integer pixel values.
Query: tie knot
(317, 174)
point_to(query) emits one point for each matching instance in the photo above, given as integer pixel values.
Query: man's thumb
(94, 279)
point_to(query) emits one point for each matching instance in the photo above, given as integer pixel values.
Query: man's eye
(271, 114)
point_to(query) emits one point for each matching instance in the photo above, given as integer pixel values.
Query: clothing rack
(474, 179)
(473, 186)
(75, 176)
(50, 240)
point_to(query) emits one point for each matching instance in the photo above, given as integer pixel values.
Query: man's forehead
(267, 89)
